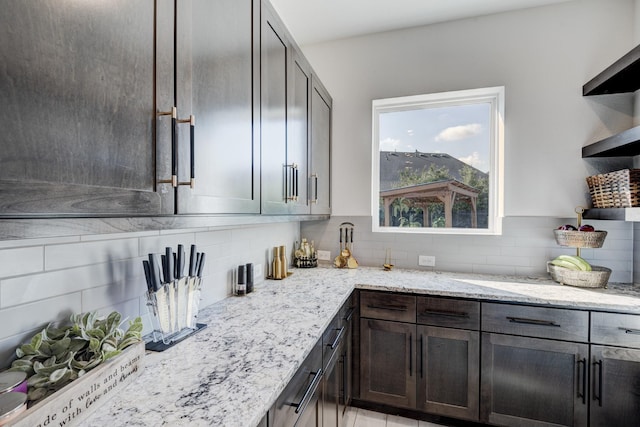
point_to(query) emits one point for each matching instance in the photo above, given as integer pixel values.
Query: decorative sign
(76, 401)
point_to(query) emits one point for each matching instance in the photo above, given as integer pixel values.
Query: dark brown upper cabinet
(217, 81)
(77, 96)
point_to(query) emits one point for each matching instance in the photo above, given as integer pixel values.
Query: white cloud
(389, 144)
(474, 160)
(410, 132)
(456, 133)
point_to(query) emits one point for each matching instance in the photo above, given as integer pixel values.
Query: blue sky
(461, 131)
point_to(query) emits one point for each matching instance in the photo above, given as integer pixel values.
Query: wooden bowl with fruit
(585, 236)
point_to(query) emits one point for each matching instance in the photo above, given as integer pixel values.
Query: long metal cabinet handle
(192, 147)
(315, 192)
(421, 356)
(336, 341)
(536, 322)
(174, 153)
(597, 377)
(291, 182)
(349, 315)
(446, 313)
(388, 307)
(300, 406)
(410, 355)
(582, 375)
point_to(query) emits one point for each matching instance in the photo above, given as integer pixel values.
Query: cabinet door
(77, 96)
(275, 56)
(387, 362)
(449, 378)
(320, 162)
(346, 361)
(298, 129)
(531, 381)
(330, 416)
(217, 81)
(615, 386)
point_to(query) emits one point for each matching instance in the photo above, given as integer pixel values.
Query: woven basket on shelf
(620, 189)
(598, 277)
(580, 239)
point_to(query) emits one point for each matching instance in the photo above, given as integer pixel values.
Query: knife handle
(147, 275)
(180, 262)
(201, 265)
(170, 265)
(192, 261)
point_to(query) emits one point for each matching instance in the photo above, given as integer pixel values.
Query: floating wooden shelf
(623, 144)
(620, 77)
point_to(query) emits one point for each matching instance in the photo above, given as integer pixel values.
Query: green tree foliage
(410, 176)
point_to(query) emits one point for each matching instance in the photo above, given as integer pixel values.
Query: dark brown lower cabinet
(448, 378)
(533, 382)
(388, 362)
(615, 386)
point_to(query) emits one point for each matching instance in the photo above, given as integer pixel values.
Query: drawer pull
(446, 313)
(336, 341)
(349, 314)
(388, 307)
(300, 407)
(536, 322)
(630, 331)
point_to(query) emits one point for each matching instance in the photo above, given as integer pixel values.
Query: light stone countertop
(230, 373)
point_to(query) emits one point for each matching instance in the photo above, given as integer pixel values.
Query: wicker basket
(620, 189)
(580, 239)
(598, 277)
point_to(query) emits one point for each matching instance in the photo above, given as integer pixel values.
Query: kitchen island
(232, 372)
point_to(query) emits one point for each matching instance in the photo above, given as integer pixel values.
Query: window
(438, 162)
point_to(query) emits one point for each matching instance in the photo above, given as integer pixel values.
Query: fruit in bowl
(567, 227)
(586, 227)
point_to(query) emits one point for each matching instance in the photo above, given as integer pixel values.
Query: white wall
(542, 56)
(46, 280)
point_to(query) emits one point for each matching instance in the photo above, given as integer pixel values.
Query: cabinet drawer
(615, 329)
(385, 306)
(554, 323)
(448, 313)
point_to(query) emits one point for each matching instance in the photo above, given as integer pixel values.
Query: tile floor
(357, 417)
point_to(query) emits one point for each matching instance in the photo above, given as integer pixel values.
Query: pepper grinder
(284, 265)
(241, 287)
(249, 271)
(276, 267)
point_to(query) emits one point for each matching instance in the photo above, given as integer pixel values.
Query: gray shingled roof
(392, 162)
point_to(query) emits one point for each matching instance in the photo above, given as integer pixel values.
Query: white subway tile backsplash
(525, 246)
(85, 253)
(23, 289)
(157, 244)
(37, 242)
(26, 317)
(19, 261)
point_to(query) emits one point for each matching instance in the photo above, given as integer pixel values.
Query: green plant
(58, 355)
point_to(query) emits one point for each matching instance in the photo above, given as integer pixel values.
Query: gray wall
(542, 56)
(44, 280)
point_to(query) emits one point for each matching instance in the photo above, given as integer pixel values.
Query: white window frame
(492, 95)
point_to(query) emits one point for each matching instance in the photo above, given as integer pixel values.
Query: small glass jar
(13, 381)
(12, 404)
